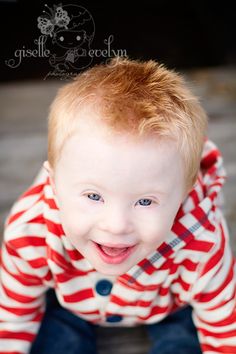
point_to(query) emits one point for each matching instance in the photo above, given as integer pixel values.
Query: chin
(110, 270)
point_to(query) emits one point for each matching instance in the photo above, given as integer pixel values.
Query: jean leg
(63, 332)
(175, 334)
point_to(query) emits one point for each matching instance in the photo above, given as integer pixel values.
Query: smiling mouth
(114, 255)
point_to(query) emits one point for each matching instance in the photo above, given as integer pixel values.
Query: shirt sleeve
(214, 299)
(21, 301)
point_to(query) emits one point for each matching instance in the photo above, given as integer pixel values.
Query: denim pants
(62, 332)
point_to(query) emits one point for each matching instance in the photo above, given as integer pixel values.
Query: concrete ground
(23, 126)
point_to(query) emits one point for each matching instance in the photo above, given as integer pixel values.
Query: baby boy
(122, 226)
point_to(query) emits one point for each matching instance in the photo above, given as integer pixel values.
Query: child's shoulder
(206, 245)
(25, 218)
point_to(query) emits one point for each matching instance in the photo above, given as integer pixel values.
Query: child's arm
(214, 299)
(23, 272)
(21, 302)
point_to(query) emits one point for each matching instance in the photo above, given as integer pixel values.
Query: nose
(116, 221)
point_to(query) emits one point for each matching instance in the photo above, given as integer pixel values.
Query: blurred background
(196, 38)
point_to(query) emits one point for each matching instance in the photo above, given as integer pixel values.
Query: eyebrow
(150, 191)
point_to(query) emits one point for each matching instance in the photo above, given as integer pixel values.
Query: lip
(114, 259)
(119, 245)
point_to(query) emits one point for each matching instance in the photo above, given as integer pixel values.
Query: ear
(50, 171)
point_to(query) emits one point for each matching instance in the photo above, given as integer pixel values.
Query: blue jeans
(175, 334)
(62, 332)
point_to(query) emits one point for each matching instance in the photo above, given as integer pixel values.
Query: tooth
(112, 251)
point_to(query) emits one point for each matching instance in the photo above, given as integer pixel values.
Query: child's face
(119, 192)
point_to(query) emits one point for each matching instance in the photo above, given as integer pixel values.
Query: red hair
(136, 97)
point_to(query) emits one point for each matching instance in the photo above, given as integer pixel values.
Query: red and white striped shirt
(193, 266)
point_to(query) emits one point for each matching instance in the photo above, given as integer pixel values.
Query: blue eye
(94, 196)
(145, 202)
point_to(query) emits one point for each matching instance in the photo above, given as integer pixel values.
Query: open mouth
(114, 255)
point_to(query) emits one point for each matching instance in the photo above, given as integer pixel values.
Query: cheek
(156, 227)
(155, 233)
(70, 218)
(76, 221)
(68, 223)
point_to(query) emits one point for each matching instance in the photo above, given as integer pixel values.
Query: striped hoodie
(193, 266)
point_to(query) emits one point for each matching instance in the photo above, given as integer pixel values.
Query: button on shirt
(114, 318)
(102, 289)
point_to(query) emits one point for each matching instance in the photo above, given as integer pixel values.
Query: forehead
(94, 151)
